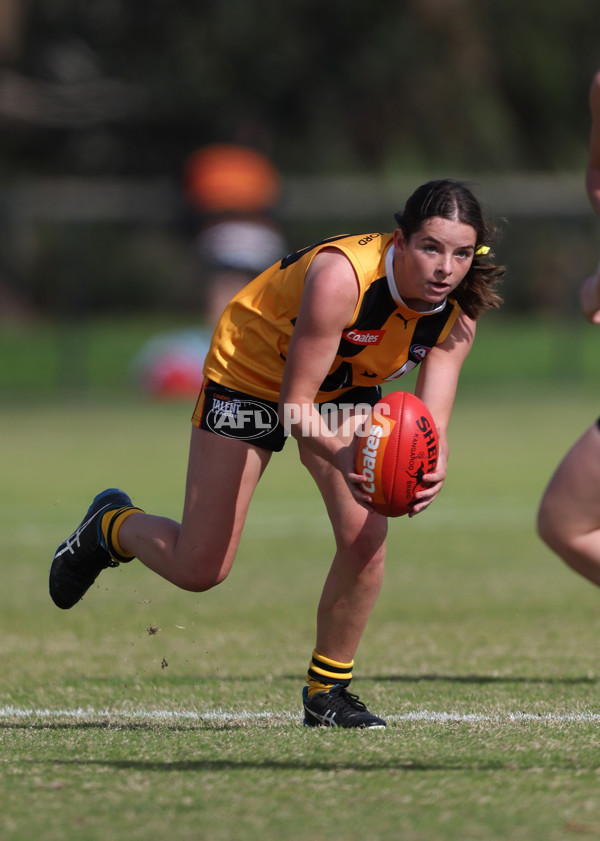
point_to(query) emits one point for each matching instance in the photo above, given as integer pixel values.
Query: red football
(398, 446)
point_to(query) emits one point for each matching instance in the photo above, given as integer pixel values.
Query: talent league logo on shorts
(363, 337)
(243, 419)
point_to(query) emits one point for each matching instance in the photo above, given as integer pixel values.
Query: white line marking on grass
(427, 716)
(88, 713)
(494, 718)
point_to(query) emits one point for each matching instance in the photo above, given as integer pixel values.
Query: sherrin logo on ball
(398, 447)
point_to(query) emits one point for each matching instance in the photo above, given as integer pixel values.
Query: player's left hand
(433, 483)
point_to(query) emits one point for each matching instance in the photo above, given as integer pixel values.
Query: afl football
(397, 447)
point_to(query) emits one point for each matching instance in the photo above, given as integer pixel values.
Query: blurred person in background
(569, 513)
(232, 190)
(320, 330)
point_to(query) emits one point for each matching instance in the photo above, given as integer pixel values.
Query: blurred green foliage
(473, 85)
(98, 357)
(124, 91)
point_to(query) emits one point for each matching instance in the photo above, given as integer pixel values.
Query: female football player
(322, 328)
(569, 512)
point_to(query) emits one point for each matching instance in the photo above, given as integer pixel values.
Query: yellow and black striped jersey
(383, 340)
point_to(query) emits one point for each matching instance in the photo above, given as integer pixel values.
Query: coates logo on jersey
(419, 351)
(363, 337)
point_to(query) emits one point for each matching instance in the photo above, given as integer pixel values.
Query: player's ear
(399, 241)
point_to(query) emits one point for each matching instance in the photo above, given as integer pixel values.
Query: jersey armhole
(355, 268)
(450, 322)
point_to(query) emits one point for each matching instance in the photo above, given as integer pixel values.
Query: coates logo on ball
(400, 447)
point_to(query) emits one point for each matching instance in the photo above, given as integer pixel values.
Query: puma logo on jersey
(405, 320)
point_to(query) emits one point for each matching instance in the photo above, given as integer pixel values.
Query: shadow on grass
(325, 765)
(480, 679)
(147, 726)
(186, 680)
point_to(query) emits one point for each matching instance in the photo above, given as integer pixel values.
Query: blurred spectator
(170, 366)
(233, 191)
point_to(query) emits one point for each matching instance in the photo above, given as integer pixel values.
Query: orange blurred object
(226, 177)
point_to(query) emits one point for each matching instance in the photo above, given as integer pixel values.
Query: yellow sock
(111, 523)
(323, 673)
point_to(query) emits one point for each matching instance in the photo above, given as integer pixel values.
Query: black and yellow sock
(323, 673)
(111, 523)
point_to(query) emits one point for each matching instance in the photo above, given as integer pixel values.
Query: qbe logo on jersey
(243, 419)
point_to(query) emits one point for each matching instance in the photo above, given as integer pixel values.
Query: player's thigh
(572, 497)
(221, 479)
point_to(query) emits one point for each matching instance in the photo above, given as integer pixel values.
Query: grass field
(149, 713)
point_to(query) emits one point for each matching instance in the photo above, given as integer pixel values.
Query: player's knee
(200, 573)
(200, 583)
(367, 546)
(549, 528)
(545, 523)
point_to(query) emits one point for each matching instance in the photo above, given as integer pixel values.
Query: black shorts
(236, 414)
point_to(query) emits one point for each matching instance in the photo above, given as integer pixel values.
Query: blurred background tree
(131, 87)
(103, 101)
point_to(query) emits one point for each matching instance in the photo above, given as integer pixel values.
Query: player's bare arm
(593, 167)
(589, 297)
(328, 303)
(436, 386)
(589, 292)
